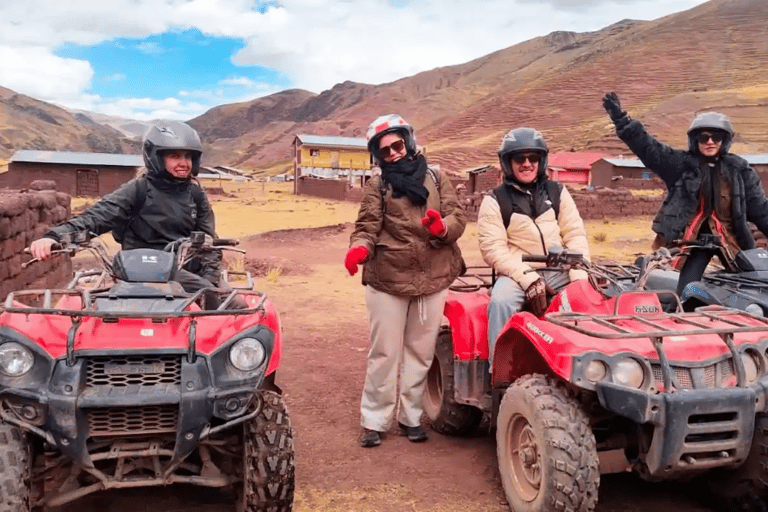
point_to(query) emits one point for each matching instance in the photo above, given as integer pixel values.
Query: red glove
(434, 223)
(355, 256)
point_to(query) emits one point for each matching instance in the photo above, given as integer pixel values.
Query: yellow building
(323, 156)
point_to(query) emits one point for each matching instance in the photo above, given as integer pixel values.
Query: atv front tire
(545, 448)
(268, 459)
(746, 487)
(447, 416)
(15, 470)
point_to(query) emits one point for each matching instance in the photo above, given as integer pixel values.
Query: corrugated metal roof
(626, 162)
(327, 140)
(756, 159)
(72, 158)
(573, 160)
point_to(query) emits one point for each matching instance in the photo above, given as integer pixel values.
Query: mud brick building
(24, 217)
(76, 174)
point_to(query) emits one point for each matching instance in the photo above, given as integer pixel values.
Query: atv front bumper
(693, 429)
(140, 396)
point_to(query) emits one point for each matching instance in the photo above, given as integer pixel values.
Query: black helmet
(710, 121)
(522, 139)
(388, 124)
(166, 136)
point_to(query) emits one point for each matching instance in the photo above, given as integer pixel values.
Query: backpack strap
(504, 198)
(140, 196)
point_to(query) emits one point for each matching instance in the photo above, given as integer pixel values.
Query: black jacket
(681, 172)
(167, 212)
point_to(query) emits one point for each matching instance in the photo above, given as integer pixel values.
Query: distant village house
(77, 174)
(321, 157)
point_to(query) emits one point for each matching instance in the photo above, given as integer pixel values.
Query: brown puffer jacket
(405, 259)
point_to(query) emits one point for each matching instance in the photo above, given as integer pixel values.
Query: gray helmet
(388, 124)
(710, 121)
(520, 140)
(166, 136)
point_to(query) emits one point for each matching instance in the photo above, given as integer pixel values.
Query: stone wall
(25, 215)
(594, 204)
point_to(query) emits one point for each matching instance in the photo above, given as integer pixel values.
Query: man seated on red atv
(161, 205)
(526, 215)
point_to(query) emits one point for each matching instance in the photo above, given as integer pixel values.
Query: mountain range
(712, 57)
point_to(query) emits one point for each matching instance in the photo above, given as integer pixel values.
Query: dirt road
(325, 332)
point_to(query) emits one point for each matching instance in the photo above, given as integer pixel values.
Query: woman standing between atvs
(405, 238)
(709, 190)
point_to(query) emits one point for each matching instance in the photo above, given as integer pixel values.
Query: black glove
(613, 107)
(536, 296)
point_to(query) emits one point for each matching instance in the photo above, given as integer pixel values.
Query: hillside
(665, 71)
(27, 123)
(712, 57)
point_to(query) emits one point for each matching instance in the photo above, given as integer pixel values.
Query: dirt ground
(325, 345)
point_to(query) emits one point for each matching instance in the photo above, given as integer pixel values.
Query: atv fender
(467, 315)
(524, 347)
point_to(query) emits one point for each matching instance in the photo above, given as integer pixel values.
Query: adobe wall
(595, 204)
(21, 174)
(26, 215)
(329, 189)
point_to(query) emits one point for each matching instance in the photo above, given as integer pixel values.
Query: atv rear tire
(268, 459)
(447, 416)
(545, 448)
(15, 470)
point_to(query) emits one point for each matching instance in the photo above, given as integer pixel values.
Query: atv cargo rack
(45, 297)
(725, 322)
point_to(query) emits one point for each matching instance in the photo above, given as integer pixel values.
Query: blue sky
(176, 59)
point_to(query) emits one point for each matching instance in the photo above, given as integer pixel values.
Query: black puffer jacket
(167, 213)
(681, 172)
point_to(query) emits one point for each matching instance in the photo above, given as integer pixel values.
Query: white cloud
(315, 43)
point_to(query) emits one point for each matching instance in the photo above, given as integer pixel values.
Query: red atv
(602, 382)
(121, 379)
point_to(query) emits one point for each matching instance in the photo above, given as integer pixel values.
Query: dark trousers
(693, 268)
(193, 282)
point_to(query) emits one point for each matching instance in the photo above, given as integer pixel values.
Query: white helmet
(388, 124)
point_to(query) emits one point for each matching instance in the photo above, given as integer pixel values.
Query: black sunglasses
(519, 158)
(395, 147)
(704, 137)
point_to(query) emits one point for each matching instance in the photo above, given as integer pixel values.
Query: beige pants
(401, 328)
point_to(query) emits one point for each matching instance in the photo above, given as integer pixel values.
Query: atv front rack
(725, 322)
(45, 297)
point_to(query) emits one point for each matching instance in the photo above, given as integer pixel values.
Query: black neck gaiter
(406, 177)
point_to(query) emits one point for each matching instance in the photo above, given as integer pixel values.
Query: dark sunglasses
(705, 136)
(518, 159)
(395, 147)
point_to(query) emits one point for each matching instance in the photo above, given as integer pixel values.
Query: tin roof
(572, 160)
(328, 140)
(72, 158)
(756, 159)
(626, 162)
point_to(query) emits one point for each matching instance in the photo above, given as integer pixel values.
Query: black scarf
(406, 177)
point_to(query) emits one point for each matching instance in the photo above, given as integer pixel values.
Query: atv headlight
(754, 309)
(247, 354)
(15, 359)
(595, 371)
(628, 372)
(752, 365)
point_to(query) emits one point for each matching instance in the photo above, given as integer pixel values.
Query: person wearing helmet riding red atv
(709, 190)
(155, 208)
(405, 238)
(526, 215)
